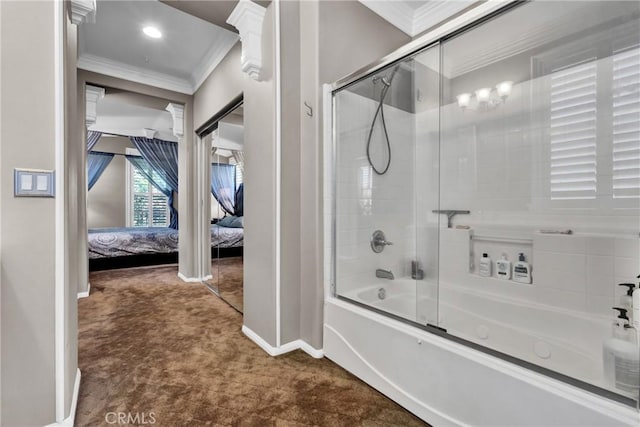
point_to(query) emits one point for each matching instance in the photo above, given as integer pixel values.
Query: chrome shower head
(384, 79)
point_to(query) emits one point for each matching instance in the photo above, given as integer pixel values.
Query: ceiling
(117, 114)
(212, 11)
(190, 47)
(415, 16)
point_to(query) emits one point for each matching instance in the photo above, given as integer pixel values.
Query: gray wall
(223, 84)
(106, 202)
(290, 278)
(362, 37)
(74, 169)
(310, 34)
(27, 229)
(259, 193)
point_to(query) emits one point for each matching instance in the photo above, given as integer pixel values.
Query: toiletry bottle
(522, 270)
(620, 355)
(611, 345)
(503, 268)
(626, 299)
(485, 265)
(635, 314)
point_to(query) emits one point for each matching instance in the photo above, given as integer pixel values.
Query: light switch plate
(33, 183)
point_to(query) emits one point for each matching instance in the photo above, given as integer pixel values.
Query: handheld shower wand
(386, 81)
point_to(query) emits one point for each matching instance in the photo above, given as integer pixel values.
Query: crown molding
(212, 59)
(111, 68)
(434, 12)
(414, 21)
(247, 17)
(82, 11)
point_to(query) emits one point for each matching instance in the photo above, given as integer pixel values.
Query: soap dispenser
(522, 270)
(620, 356)
(503, 268)
(626, 300)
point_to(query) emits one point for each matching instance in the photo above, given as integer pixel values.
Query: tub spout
(384, 274)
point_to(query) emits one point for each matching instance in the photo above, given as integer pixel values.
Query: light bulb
(464, 99)
(504, 89)
(483, 95)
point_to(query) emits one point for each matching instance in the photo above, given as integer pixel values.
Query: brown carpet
(227, 278)
(151, 343)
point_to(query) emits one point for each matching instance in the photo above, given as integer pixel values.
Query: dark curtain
(162, 158)
(223, 186)
(92, 139)
(97, 162)
(239, 205)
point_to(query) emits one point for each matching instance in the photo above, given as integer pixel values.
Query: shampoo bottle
(485, 265)
(503, 268)
(522, 270)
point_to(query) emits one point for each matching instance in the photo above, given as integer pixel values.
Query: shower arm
(450, 213)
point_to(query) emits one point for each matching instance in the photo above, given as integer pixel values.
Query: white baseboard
(285, 348)
(86, 293)
(189, 279)
(70, 420)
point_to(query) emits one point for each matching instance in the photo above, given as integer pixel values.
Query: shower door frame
(432, 37)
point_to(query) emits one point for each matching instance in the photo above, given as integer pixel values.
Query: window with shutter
(626, 123)
(573, 130)
(148, 206)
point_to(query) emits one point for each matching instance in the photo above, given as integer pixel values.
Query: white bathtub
(563, 341)
(448, 383)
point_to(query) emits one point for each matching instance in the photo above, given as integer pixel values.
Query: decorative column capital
(82, 11)
(92, 95)
(177, 112)
(247, 17)
(149, 133)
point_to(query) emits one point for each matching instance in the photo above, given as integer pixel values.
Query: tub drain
(382, 293)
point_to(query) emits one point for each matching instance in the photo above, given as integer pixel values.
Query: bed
(136, 246)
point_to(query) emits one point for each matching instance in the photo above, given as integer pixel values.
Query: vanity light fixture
(485, 98)
(152, 32)
(464, 99)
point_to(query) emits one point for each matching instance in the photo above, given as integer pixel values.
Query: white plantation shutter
(573, 125)
(149, 206)
(626, 123)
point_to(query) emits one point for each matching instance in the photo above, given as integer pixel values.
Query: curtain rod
(129, 136)
(115, 154)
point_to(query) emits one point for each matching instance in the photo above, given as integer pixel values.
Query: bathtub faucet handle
(379, 241)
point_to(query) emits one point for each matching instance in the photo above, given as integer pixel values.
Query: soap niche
(495, 246)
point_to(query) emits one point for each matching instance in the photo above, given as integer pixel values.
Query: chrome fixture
(450, 213)
(379, 241)
(386, 81)
(384, 274)
(382, 293)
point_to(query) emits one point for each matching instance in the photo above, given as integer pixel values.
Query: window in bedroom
(146, 205)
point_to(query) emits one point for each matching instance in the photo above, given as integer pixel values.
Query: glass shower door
(386, 183)
(426, 99)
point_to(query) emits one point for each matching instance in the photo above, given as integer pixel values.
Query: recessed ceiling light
(152, 32)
